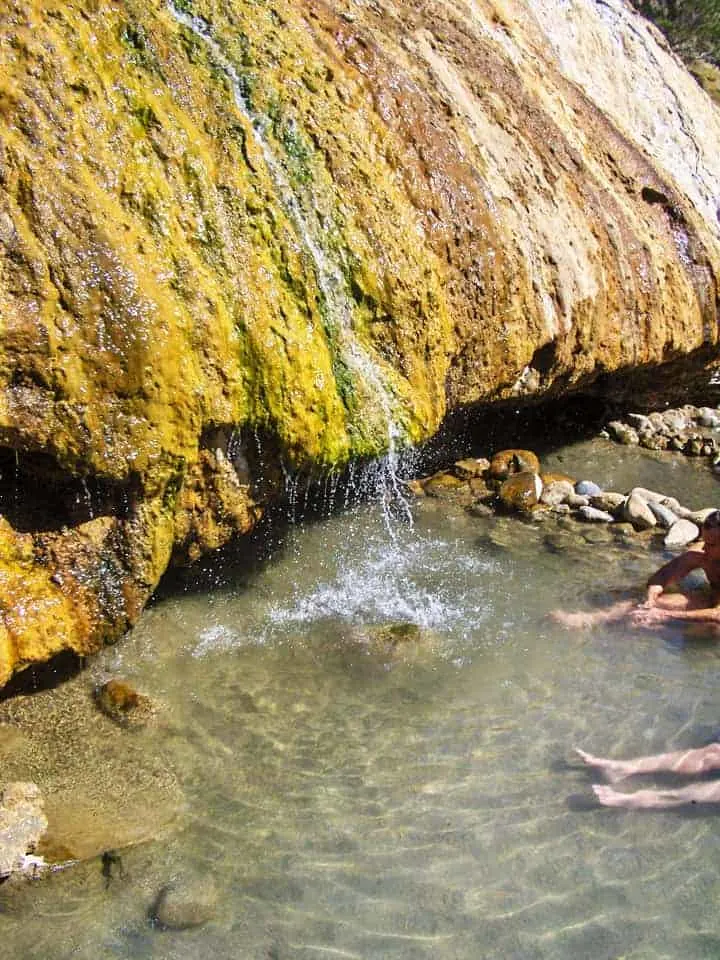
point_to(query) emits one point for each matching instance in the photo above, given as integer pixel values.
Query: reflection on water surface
(353, 796)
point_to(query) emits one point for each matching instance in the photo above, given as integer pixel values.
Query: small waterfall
(378, 480)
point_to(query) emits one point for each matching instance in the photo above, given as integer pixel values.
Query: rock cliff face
(240, 235)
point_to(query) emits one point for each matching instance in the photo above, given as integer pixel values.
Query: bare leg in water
(684, 762)
(658, 799)
(582, 620)
(696, 599)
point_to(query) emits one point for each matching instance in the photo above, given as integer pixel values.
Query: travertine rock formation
(240, 236)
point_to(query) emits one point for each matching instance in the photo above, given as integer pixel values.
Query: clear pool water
(351, 798)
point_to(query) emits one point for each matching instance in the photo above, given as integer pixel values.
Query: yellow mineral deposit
(283, 221)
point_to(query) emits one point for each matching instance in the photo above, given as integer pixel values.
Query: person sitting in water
(683, 762)
(662, 602)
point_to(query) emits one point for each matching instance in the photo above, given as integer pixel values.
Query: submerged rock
(123, 704)
(101, 789)
(184, 903)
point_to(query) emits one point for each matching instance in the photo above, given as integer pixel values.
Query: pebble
(587, 488)
(123, 704)
(647, 495)
(665, 517)
(681, 534)
(637, 512)
(593, 515)
(608, 501)
(698, 516)
(556, 492)
(473, 467)
(623, 433)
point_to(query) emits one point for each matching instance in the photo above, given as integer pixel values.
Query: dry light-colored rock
(22, 823)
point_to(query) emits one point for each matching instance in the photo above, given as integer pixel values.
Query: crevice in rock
(43, 676)
(37, 494)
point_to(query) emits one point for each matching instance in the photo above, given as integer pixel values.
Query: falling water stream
(311, 233)
(348, 798)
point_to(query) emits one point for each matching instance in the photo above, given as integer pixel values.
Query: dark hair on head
(712, 520)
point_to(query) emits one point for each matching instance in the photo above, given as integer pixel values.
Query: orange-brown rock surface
(240, 238)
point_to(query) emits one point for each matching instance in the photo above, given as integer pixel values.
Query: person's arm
(653, 592)
(704, 615)
(670, 574)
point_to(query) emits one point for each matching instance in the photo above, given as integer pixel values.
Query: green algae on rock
(223, 220)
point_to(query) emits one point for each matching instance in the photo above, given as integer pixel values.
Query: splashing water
(348, 571)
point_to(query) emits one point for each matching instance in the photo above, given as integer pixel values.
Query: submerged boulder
(250, 243)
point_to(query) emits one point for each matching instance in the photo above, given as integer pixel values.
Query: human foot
(614, 770)
(640, 800)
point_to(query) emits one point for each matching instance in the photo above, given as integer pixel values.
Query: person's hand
(651, 599)
(646, 615)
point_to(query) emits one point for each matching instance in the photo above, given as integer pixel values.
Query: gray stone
(707, 417)
(638, 513)
(556, 492)
(648, 495)
(22, 823)
(677, 508)
(681, 534)
(640, 421)
(472, 467)
(576, 500)
(657, 420)
(609, 501)
(675, 421)
(593, 515)
(654, 441)
(587, 488)
(623, 433)
(665, 517)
